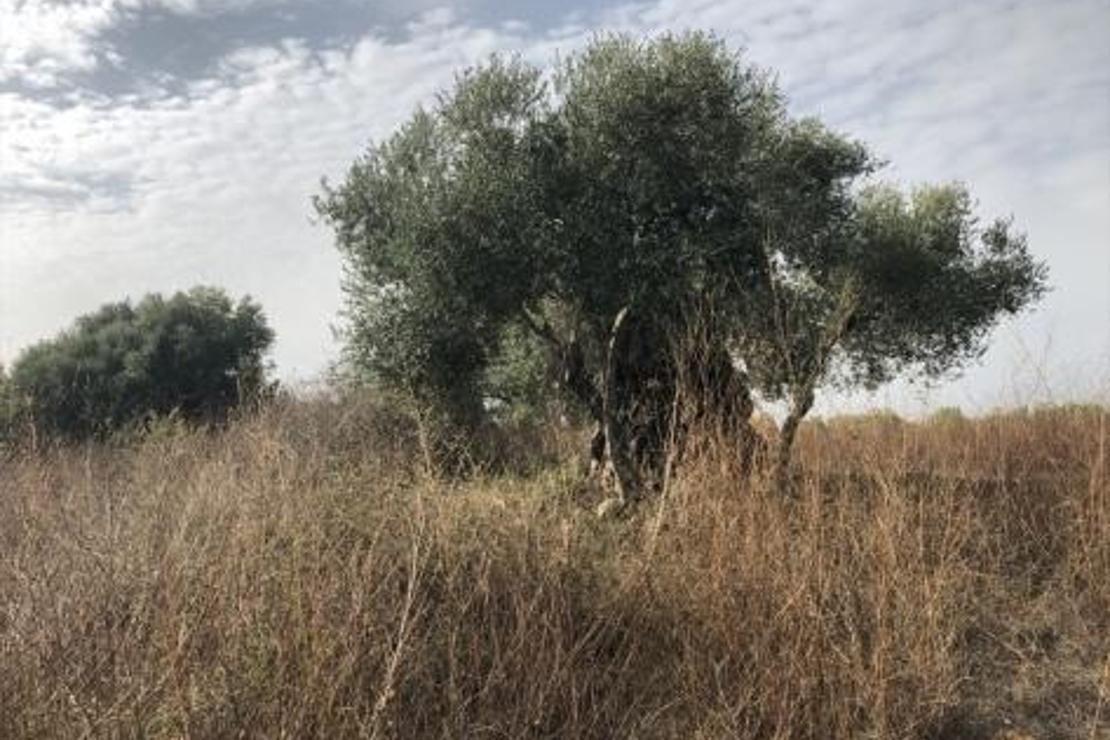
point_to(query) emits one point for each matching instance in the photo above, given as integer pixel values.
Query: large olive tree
(640, 194)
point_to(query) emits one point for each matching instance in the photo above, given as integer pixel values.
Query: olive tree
(640, 193)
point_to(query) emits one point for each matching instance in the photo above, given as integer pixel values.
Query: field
(297, 574)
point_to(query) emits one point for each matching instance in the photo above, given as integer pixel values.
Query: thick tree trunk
(651, 394)
(718, 400)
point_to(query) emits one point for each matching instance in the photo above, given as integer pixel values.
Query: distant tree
(657, 191)
(196, 353)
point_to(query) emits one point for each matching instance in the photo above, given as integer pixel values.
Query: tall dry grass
(296, 575)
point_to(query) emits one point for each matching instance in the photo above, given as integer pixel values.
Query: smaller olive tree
(891, 286)
(196, 353)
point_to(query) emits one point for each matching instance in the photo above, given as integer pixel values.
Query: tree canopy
(196, 353)
(642, 192)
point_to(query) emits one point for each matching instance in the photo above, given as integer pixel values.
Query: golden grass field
(297, 575)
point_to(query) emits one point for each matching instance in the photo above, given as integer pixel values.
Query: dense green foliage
(195, 353)
(647, 193)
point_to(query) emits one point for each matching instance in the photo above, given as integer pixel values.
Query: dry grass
(295, 576)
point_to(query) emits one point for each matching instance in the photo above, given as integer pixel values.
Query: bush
(197, 354)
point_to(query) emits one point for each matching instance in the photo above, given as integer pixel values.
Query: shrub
(196, 353)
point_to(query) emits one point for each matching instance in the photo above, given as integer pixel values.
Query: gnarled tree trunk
(651, 394)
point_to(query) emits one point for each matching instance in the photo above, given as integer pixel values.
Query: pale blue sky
(155, 144)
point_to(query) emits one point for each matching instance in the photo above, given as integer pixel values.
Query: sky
(152, 145)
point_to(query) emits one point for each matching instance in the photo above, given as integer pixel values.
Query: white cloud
(42, 41)
(38, 40)
(101, 198)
